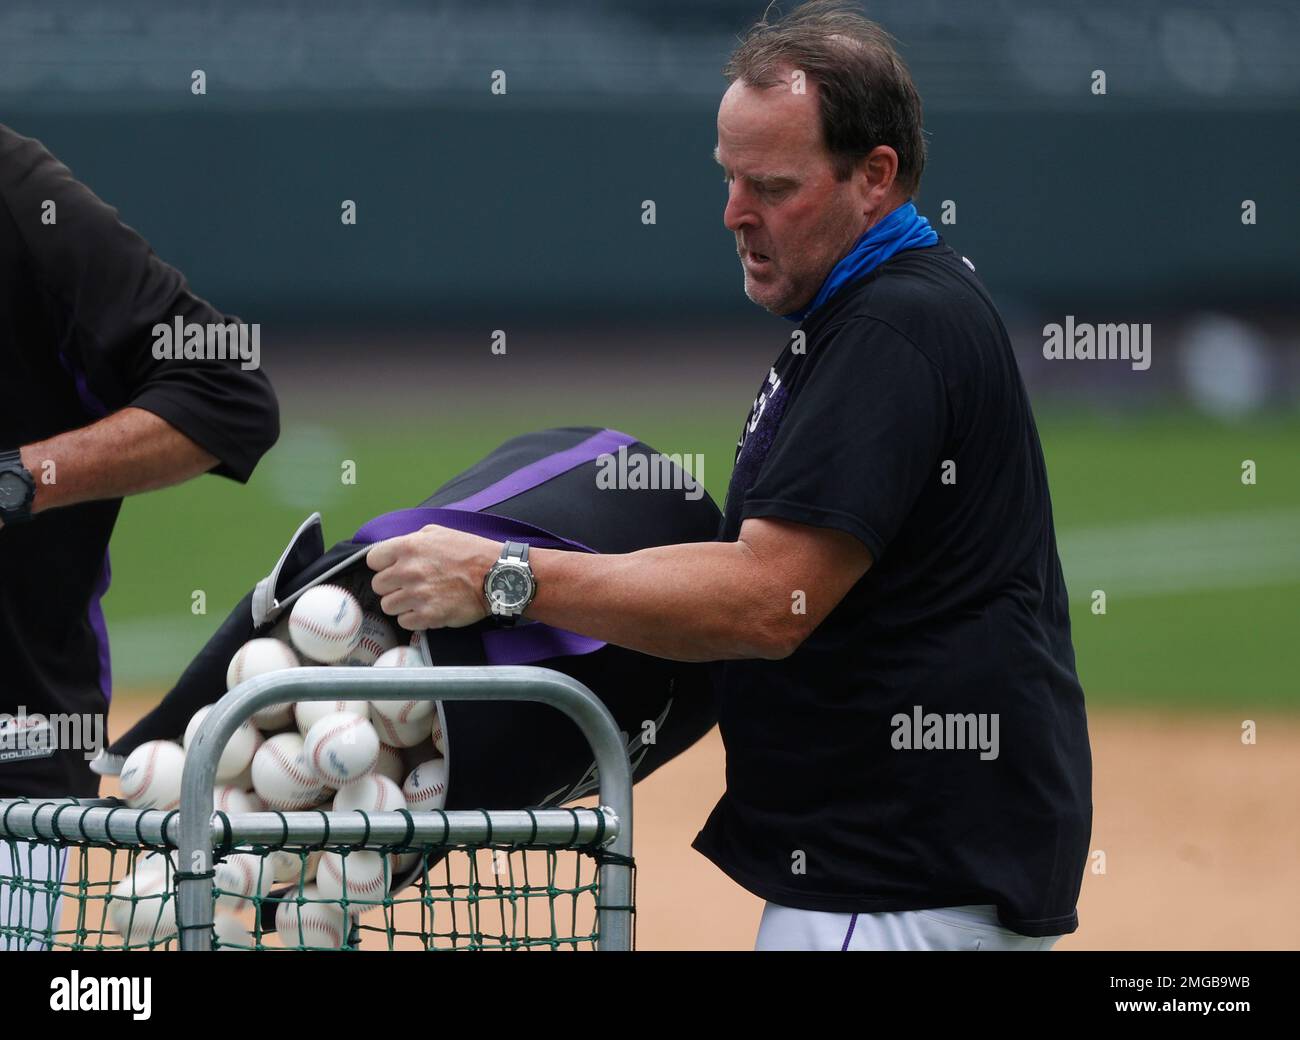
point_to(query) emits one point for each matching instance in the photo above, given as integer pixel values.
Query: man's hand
(702, 601)
(433, 578)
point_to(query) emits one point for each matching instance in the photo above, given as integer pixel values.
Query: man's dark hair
(866, 94)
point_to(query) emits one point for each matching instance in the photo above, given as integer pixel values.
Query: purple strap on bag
(485, 525)
(535, 473)
(526, 642)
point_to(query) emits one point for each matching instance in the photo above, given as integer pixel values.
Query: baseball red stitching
(421, 791)
(302, 621)
(311, 786)
(304, 924)
(377, 803)
(148, 773)
(388, 730)
(374, 885)
(405, 714)
(246, 870)
(317, 748)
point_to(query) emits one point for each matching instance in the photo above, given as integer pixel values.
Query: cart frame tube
(490, 683)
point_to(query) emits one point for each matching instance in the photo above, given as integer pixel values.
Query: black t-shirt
(861, 773)
(80, 295)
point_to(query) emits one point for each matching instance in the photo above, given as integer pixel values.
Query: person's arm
(150, 421)
(759, 596)
(125, 453)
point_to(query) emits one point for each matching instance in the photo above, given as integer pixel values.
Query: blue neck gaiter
(902, 229)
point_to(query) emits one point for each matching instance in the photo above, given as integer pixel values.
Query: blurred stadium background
(522, 212)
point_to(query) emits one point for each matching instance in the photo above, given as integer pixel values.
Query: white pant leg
(30, 905)
(949, 928)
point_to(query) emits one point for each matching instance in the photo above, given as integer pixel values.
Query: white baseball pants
(948, 928)
(38, 901)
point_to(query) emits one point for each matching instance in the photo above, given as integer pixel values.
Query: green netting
(87, 895)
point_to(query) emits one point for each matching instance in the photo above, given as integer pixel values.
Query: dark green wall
(471, 214)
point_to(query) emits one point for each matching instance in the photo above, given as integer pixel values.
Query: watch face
(509, 586)
(13, 490)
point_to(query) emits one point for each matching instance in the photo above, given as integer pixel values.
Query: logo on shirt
(952, 732)
(756, 436)
(759, 409)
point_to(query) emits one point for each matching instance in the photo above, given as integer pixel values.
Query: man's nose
(739, 211)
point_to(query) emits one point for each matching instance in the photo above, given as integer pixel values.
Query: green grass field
(1201, 573)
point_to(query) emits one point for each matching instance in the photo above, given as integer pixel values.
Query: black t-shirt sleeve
(107, 290)
(859, 439)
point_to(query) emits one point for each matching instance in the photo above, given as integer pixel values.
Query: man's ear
(877, 173)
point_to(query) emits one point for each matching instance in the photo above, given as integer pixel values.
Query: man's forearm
(701, 601)
(125, 453)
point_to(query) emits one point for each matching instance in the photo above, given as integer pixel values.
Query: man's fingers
(411, 621)
(383, 555)
(385, 581)
(398, 602)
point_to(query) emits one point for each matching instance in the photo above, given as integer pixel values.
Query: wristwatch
(17, 489)
(509, 584)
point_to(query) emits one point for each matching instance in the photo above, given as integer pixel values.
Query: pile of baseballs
(340, 755)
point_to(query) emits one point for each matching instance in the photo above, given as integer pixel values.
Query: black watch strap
(518, 552)
(11, 462)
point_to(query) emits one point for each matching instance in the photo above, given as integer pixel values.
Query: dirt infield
(1196, 840)
(1200, 836)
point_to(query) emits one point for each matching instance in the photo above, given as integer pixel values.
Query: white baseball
(426, 788)
(156, 862)
(274, 718)
(308, 713)
(377, 637)
(257, 657)
(367, 877)
(151, 775)
(244, 781)
(283, 776)
(403, 710)
(325, 623)
(232, 799)
(239, 750)
(400, 722)
(399, 657)
(287, 867)
(393, 728)
(389, 764)
(240, 876)
(311, 924)
(372, 793)
(438, 741)
(229, 933)
(342, 747)
(143, 907)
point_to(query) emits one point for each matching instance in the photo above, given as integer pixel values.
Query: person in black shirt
(96, 405)
(907, 751)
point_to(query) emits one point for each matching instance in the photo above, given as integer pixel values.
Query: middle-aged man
(91, 410)
(907, 752)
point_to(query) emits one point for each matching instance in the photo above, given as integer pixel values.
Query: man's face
(792, 219)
